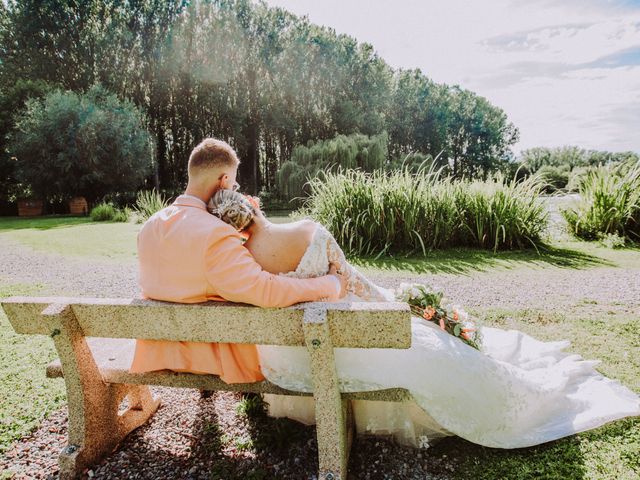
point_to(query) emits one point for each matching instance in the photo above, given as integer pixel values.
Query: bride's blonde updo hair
(232, 208)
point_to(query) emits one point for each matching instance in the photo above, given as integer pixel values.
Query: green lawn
(76, 236)
(610, 452)
(27, 395)
(80, 236)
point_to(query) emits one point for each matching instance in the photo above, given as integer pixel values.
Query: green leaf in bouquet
(456, 330)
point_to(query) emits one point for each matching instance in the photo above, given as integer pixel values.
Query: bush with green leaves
(609, 203)
(390, 212)
(572, 157)
(344, 151)
(576, 177)
(149, 202)
(554, 178)
(107, 212)
(70, 144)
(12, 102)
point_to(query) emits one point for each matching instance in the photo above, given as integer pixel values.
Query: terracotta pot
(29, 207)
(78, 206)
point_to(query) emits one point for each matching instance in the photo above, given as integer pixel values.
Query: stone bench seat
(95, 339)
(113, 358)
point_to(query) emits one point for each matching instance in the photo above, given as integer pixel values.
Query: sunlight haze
(565, 72)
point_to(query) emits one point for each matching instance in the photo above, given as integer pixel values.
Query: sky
(566, 72)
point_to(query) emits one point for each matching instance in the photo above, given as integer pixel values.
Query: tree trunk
(248, 170)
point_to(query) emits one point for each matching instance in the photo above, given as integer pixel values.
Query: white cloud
(541, 61)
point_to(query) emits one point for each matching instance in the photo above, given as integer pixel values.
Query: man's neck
(198, 193)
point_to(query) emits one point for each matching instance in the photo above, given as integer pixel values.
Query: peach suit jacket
(187, 255)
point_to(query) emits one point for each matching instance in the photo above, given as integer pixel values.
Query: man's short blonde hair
(211, 153)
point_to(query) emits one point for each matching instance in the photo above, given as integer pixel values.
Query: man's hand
(333, 270)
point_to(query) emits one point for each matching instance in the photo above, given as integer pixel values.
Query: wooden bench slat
(355, 325)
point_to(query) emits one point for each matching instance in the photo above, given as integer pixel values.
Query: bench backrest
(354, 324)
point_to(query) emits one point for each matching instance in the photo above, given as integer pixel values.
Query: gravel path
(548, 288)
(66, 275)
(195, 438)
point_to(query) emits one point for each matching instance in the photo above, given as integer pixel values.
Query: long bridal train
(516, 392)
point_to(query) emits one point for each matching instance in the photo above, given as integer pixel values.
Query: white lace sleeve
(357, 283)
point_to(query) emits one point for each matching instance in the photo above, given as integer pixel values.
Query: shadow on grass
(610, 450)
(462, 261)
(560, 459)
(41, 223)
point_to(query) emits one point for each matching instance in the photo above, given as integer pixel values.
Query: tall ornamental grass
(149, 202)
(375, 213)
(609, 203)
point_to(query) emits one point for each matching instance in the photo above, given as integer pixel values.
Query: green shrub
(554, 178)
(107, 212)
(88, 144)
(612, 240)
(398, 211)
(576, 177)
(414, 162)
(346, 152)
(609, 203)
(149, 202)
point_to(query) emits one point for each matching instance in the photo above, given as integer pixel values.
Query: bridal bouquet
(429, 304)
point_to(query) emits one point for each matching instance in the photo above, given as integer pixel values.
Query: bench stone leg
(334, 418)
(95, 426)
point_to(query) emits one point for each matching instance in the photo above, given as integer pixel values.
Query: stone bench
(94, 340)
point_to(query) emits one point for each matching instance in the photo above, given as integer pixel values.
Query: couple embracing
(214, 243)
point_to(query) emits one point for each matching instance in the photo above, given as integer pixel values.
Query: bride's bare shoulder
(305, 225)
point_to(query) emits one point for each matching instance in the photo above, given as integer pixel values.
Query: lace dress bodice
(323, 251)
(515, 392)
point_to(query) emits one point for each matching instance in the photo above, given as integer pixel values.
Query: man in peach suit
(187, 255)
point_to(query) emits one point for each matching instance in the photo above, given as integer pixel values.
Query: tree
(258, 77)
(89, 144)
(12, 102)
(340, 153)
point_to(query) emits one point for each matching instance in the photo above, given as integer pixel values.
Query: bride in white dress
(515, 392)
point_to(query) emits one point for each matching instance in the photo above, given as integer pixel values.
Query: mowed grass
(609, 452)
(76, 236)
(609, 334)
(27, 395)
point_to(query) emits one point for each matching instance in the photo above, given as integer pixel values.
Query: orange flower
(455, 315)
(429, 312)
(465, 330)
(464, 335)
(442, 323)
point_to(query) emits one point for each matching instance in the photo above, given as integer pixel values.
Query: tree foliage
(571, 157)
(69, 144)
(12, 102)
(261, 78)
(354, 151)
